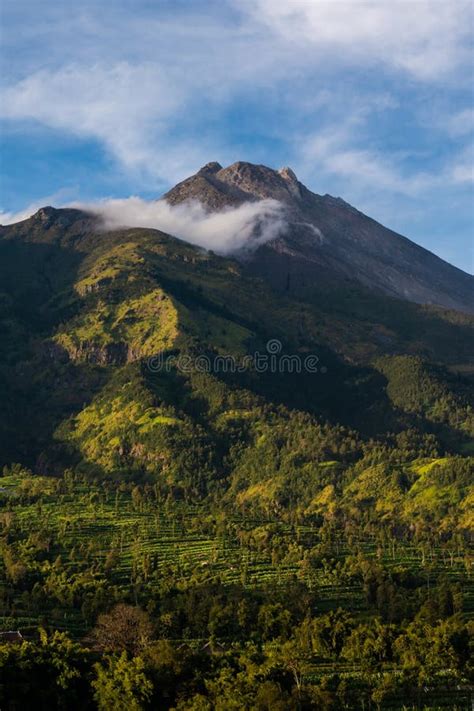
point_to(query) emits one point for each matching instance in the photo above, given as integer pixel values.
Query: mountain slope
(84, 312)
(271, 523)
(328, 241)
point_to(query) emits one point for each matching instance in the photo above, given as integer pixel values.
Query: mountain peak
(288, 174)
(326, 238)
(62, 217)
(210, 168)
(262, 182)
(45, 213)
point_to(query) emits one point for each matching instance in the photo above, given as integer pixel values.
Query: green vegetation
(316, 609)
(180, 539)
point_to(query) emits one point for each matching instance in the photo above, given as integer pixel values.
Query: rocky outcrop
(117, 353)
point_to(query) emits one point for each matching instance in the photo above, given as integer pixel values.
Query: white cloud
(377, 171)
(426, 38)
(8, 217)
(336, 151)
(139, 83)
(461, 123)
(229, 230)
(188, 65)
(126, 107)
(462, 168)
(463, 173)
(166, 89)
(332, 151)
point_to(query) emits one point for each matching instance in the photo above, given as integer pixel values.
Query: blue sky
(368, 100)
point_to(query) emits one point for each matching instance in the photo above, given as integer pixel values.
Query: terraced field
(133, 545)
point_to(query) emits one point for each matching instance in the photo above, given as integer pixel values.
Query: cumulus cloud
(230, 230)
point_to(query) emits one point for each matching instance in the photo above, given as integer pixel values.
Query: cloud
(126, 107)
(339, 89)
(345, 151)
(460, 123)
(463, 173)
(428, 39)
(229, 230)
(143, 84)
(335, 152)
(10, 217)
(140, 82)
(376, 170)
(462, 167)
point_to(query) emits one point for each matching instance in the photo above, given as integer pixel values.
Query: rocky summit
(327, 242)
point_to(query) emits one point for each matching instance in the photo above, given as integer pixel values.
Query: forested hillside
(191, 530)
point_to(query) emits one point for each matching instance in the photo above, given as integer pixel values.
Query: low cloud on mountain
(235, 228)
(225, 231)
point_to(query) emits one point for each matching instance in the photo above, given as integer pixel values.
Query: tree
(274, 620)
(121, 684)
(293, 658)
(45, 674)
(270, 697)
(425, 650)
(369, 645)
(385, 687)
(124, 628)
(329, 632)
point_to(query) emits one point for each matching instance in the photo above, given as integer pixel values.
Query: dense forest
(216, 537)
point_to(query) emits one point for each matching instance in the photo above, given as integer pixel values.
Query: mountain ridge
(327, 239)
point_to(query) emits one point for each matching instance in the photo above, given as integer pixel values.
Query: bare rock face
(217, 187)
(210, 168)
(327, 240)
